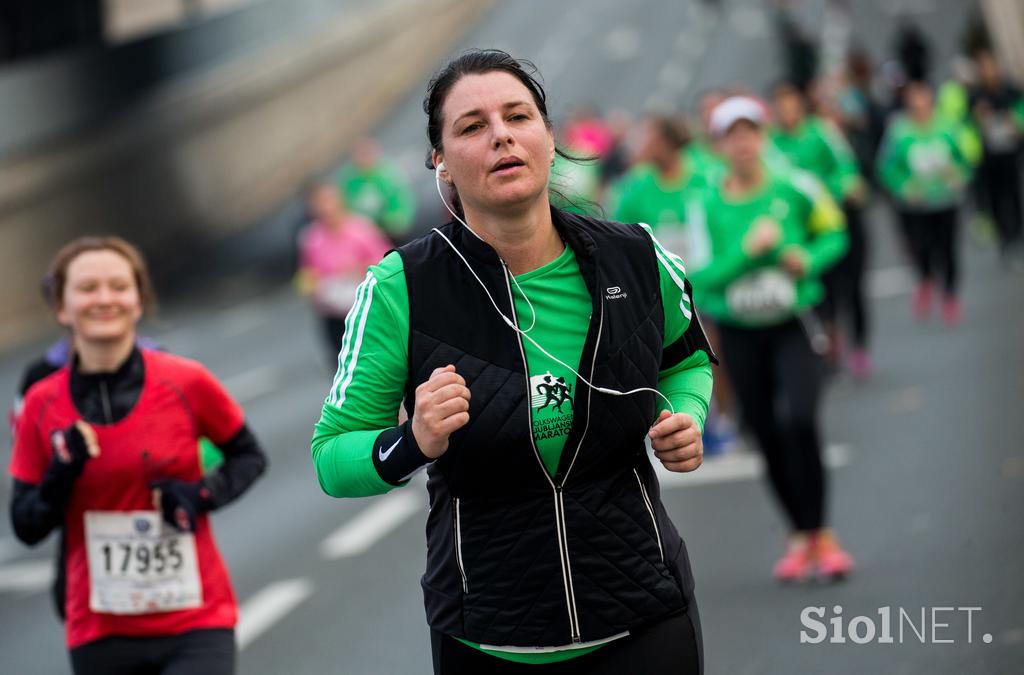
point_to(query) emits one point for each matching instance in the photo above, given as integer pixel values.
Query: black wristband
(396, 455)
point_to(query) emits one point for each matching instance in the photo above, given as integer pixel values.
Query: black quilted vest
(515, 556)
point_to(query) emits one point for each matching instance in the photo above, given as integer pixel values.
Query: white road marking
(268, 606)
(888, 282)
(251, 384)
(26, 576)
(622, 43)
(738, 466)
(373, 523)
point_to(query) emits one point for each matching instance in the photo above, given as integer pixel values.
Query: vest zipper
(458, 547)
(563, 543)
(650, 510)
(105, 399)
(590, 390)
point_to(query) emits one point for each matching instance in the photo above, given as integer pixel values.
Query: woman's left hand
(677, 442)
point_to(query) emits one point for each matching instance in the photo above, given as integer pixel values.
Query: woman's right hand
(442, 407)
(763, 237)
(72, 448)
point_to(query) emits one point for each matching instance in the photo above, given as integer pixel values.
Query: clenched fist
(677, 442)
(442, 407)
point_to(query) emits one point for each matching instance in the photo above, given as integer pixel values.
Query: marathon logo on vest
(551, 400)
(892, 625)
(614, 293)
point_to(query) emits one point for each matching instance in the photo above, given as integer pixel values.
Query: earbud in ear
(441, 169)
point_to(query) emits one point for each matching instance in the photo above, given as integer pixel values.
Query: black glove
(70, 453)
(181, 502)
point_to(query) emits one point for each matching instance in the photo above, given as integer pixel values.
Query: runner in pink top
(334, 252)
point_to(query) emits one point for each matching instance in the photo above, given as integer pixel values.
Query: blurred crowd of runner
(826, 148)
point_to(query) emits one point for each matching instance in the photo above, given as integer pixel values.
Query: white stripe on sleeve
(674, 266)
(355, 325)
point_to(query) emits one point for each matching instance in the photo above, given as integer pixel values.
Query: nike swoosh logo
(384, 454)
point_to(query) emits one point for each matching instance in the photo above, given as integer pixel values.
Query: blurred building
(178, 122)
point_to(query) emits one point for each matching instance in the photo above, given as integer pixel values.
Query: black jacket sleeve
(32, 516)
(244, 462)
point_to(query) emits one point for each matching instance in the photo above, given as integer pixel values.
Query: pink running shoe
(860, 364)
(951, 311)
(922, 301)
(833, 562)
(798, 563)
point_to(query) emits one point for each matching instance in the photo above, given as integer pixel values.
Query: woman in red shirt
(105, 452)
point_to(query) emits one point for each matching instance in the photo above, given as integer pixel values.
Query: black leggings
(999, 190)
(209, 651)
(666, 648)
(844, 283)
(931, 238)
(777, 377)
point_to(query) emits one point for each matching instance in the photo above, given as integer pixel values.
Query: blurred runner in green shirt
(575, 183)
(772, 233)
(659, 189)
(923, 168)
(376, 190)
(700, 154)
(664, 191)
(813, 144)
(998, 109)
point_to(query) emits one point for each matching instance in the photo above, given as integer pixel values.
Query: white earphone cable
(509, 322)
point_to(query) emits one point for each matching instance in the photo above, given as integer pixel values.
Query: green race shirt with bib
(742, 290)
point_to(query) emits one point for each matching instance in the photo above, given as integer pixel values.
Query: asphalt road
(927, 465)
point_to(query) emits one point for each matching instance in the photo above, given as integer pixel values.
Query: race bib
(929, 158)
(338, 294)
(140, 565)
(368, 201)
(762, 296)
(1000, 134)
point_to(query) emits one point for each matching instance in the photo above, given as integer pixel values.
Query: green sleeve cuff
(344, 462)
(688, 386)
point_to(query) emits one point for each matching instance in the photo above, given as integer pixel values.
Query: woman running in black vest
(535, 351)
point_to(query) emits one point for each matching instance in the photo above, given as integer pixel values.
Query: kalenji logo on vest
(614, 293)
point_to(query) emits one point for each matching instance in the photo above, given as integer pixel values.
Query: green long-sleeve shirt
(818, 148)
(739, 289)
(922, 165)
(380, 194)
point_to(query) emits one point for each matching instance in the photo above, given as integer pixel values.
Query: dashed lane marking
(372, 523)
(27, 576)
(268, 606)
